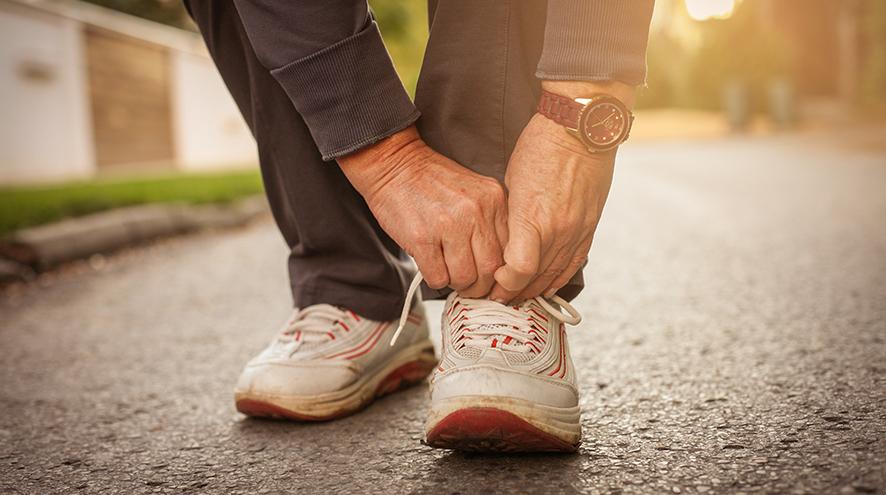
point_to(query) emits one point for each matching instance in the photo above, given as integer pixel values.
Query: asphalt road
(734, 341)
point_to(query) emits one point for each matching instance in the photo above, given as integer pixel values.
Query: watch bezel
(589, 103)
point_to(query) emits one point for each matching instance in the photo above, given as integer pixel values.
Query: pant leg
(477, 89)
(338, 253)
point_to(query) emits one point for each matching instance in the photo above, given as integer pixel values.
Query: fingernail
(551, 293)
(499, 300)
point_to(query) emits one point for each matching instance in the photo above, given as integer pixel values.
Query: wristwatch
(601, 122)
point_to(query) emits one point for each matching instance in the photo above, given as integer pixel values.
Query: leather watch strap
(560, 109)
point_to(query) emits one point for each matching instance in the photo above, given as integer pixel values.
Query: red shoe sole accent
(260, 409)
(486, 429)
(406, 375)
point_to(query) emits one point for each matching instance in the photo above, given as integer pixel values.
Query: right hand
(451, 220)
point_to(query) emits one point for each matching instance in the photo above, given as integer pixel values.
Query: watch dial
(604, 124)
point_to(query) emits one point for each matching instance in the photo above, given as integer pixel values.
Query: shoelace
(314, 323)
(495, 315)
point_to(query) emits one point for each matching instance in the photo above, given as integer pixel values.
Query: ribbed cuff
(348, 93)
(595, 40)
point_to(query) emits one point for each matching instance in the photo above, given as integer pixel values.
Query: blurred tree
(691, 63)
(664, 79)
(874, 68)
(740, 50)
(404, 25)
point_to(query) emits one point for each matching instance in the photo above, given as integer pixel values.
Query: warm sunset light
(701, 10)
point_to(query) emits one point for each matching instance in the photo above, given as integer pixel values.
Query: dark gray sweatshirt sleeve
(329, 57)
(596, 40)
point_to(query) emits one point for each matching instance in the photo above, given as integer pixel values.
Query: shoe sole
(409, 367)
(498, 424)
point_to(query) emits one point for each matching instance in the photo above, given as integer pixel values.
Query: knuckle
(577, 262)
(462, 279)
(472, 206)
(488, 267)
(418, 247)
(561, 230)
(460, 284)
(550, 273)
(422, 240)
(443, 219)
(575, 219)
(494, 190)
(436, 279)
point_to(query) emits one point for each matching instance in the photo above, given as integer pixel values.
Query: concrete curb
(48, 245)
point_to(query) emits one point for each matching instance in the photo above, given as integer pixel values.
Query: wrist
(371, 168)
(583, 89)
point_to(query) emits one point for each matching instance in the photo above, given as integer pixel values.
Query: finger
(501, 295)
(459, 262)
(521, 257)
(429, 259)
(488, 257)
(501, 225)
(558, 262)
(578, 262)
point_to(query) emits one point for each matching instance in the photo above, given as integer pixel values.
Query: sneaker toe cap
(480, 380)
(302, 379)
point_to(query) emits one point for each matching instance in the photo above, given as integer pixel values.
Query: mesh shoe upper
(324, 348)
(518, 351)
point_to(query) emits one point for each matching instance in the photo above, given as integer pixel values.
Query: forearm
(329, 57)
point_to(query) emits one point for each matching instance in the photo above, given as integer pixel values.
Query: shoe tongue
(499, 336)
(314, 325)
(500, 342)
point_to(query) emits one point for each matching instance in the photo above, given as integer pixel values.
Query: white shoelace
(313, 323)
(491, 318)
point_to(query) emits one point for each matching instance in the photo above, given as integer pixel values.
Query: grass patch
(34, 205)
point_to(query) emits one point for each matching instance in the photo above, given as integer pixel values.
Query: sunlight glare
(701, 10)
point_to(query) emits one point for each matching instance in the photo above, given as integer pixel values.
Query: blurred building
(85, 91)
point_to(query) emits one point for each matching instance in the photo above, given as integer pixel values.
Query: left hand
(556, 193)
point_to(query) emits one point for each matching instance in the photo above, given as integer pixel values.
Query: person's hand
(556, 193)
(451, 220)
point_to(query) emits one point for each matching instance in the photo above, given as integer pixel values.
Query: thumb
(521, 257)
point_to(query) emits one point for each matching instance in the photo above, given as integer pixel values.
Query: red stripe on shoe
(453, 307)
(563, 346)
(538, 336)
(359, 346)
(372, 345)
(538, 314)
(559, 362)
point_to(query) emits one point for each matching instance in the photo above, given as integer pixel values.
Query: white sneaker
(329, 362)
(506, 381)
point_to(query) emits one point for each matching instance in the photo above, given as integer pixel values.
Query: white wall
(45, 127)
(207, 127)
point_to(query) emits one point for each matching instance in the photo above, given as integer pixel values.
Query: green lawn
(34, 205)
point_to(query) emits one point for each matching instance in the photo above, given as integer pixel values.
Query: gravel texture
(734, 342)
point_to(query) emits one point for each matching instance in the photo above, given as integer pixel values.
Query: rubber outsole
(486, 429)
(408, 374)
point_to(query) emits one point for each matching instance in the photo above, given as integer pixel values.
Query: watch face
(604, 124)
